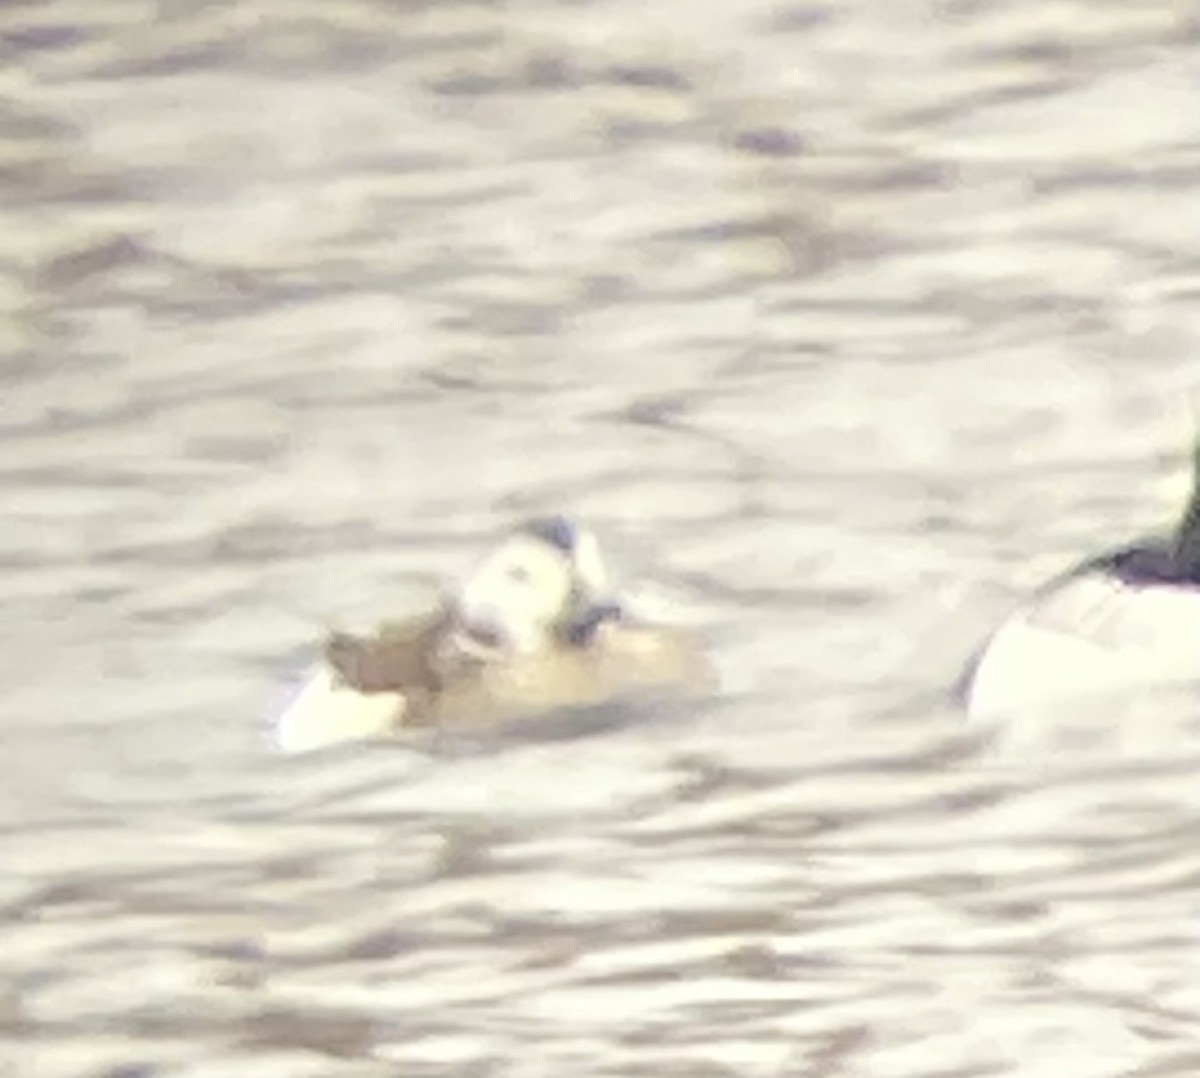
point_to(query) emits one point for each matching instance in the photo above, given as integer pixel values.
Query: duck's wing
(399, 657)
(365, 687)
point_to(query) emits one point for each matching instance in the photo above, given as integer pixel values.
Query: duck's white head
(545, 584)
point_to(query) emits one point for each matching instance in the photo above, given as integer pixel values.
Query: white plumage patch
(520, 594)
(326, 713)
(1084, 635)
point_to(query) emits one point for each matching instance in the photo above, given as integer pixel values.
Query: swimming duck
(535, 627)
(1128, 617)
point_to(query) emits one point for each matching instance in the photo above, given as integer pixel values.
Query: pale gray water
(847, 322)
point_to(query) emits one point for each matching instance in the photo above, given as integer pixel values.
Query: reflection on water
(846, 323)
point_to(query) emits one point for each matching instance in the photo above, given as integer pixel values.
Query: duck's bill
(327, 713)
(1086, 636)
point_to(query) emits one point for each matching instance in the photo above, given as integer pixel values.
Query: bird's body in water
(1126, 618)
(535, 627)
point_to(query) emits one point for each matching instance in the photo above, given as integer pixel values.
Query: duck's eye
(518, 574)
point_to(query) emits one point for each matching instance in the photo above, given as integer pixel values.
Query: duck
(536, 627)
(1122, 619)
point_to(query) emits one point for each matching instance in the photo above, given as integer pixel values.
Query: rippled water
(846, 322)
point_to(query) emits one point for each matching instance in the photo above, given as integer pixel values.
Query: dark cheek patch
(583, 628)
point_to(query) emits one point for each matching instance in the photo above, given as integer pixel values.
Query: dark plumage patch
(579, 632)
(559, 532)
(396, 659)
(1186, 551)
(1151, 562)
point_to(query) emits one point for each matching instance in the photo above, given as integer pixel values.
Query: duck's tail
(328, 712)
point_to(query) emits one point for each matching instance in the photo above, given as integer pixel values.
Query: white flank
(1088, 635)
(328, 713)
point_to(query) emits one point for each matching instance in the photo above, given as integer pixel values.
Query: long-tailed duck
(536, 627)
